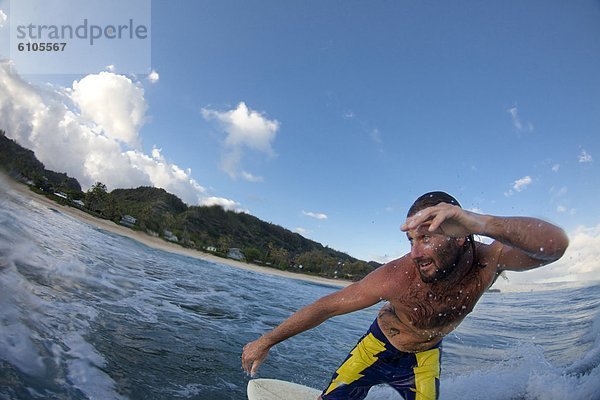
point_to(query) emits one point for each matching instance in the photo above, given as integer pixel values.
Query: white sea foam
(41, 330)
(85, 366)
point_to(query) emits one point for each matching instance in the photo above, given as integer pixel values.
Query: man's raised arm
(522, 242)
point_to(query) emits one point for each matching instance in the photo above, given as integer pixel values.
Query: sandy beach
(159, 243)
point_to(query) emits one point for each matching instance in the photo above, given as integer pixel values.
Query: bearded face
(435, 256)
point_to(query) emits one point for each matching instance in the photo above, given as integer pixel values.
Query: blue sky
(330, 118)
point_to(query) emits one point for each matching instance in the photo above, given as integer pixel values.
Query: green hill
(21, 164)
(214, 229)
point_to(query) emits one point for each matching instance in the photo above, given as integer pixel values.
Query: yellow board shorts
(416, 376)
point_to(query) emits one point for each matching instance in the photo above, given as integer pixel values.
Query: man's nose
(416, 250)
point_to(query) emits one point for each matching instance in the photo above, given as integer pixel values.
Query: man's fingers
(251, 367)
(417, 219)
(436, 215)
(252, 358)
(254, 369)
(437, 221)
(246, 363)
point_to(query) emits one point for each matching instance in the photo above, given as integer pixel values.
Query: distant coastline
(207, 228)
(159, 243)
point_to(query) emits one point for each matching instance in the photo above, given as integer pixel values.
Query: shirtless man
(428, 292)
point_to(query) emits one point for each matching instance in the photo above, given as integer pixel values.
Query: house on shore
(170, 237)
(235, 254)
(128, 221)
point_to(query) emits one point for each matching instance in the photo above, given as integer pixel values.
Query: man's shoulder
(399, 266)
(487, 259)
(488, 252)
(403, 261)
(393, 275)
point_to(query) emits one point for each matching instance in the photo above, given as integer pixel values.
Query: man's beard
(446, 260)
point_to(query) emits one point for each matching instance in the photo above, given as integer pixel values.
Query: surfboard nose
(275, 389)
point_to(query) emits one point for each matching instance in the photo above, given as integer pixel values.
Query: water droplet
(415, 308)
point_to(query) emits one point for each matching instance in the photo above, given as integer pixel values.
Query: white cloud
(517, 123)
(227, 204)
(558, 192)
(555, 167)
(315, 215)
(166, 175)
(153, 77)
(3, 18)
(245, 129)
(375, 135)
(584, 157)
(84, 142)
(302, 231)
(579, 263)
(114, 103)
(521, 184)
(251, 178)
(561, 209)
(515, 117)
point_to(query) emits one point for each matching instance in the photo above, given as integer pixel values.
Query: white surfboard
(274, 389)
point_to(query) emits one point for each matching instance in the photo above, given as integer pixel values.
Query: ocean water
(86, 314)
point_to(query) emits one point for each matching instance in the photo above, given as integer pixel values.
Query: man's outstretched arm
(359, 295)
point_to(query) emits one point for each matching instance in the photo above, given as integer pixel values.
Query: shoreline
(160, 244)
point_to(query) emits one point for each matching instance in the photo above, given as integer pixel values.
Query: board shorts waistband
(390, 350)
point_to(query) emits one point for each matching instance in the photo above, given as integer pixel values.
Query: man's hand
(448, 220)
(253, 355)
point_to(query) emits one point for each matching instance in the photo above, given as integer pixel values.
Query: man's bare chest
(429, 307)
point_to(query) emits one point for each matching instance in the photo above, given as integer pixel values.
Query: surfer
(428, 292)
